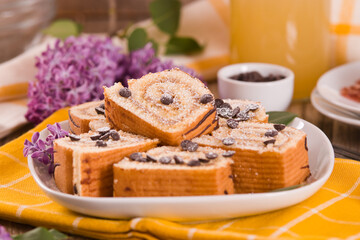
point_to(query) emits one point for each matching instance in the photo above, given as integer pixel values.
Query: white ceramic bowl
(274, 95)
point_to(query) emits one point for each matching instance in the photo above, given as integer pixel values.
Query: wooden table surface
(345, 139)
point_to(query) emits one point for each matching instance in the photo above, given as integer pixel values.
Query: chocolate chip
(218, 102)
(178, 160)
(242, 116)
(188, 145)
(100, 110)
(151, 158)
(135, 156)
(206, 98)
(211, 155)
(75, 189)
(114, 135)
(228, 141)
(252, 107)
(74, 137)
(235, 111)
(271, 133)
(194, 163)
(226, 105)
(231, 176)
(269, 141)
(103, 130)
(100, 143)
(165, 160)
(125, 92)
(141, 159)
(228, 153)
(102, 106)
(203, 160)
(95, 137)
(166, 99)
(224, 112)
(105, 136)
(306, 147)
(279, 127)
(226, 192)
(232, 123)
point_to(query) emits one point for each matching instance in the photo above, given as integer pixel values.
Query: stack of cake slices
(207, 146)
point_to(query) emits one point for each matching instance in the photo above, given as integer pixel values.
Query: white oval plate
(330, 84)
(332, 111)
(321, 161)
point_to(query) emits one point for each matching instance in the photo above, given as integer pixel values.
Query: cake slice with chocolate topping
(174, 171)
(169, 105)
(266, 156)
(81, 115)
(84, 162)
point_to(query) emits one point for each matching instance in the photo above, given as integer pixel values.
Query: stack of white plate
(327, 99)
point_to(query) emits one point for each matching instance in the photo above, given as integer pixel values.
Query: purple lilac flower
(4, 235)
(143, 61)
(43, 151)
(71, 73)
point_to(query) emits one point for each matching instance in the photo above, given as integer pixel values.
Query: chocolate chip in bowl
(270, 84)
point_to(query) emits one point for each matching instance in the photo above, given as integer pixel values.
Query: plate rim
(322, 82)
(341, 117)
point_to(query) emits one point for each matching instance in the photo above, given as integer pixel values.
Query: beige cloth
(205, 20)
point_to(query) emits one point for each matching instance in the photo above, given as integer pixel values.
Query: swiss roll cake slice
(81, 115)
(169, 105)
(84, 162)
(266, 156)
(171, 171)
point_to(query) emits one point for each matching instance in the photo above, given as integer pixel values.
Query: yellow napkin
(333, 212)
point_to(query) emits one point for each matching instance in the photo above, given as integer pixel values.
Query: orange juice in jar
(292, 33)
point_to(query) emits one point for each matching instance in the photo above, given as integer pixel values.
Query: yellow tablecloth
(333, 212)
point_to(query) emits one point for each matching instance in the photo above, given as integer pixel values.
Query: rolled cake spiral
(169, 105)
(81, 115)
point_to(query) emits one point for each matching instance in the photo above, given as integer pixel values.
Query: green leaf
(166, 15)
(63, 28)
(137, 39)
(41, 233)
(281, 117)
(57, 235)
(182, 45)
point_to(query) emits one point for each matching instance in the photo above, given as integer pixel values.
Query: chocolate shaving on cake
(74, 137)
(114, 135)
(194, 163)
(211, 155)
(178, 160)
(203, 160)
(135, 156)
(151, 158)
(100, 143)
(270, 141)
(166, 99)
(95, 137)
(235, 112)
(228, 141)
(188, 145)
(206, 98)
(103, 130)
(165, 160)
(218, 102)
(279, 127)
(100, 110)
(232, 123)
(271, 133)
(228, 153)
(125, 92)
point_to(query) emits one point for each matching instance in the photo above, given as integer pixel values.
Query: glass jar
(292, 33)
